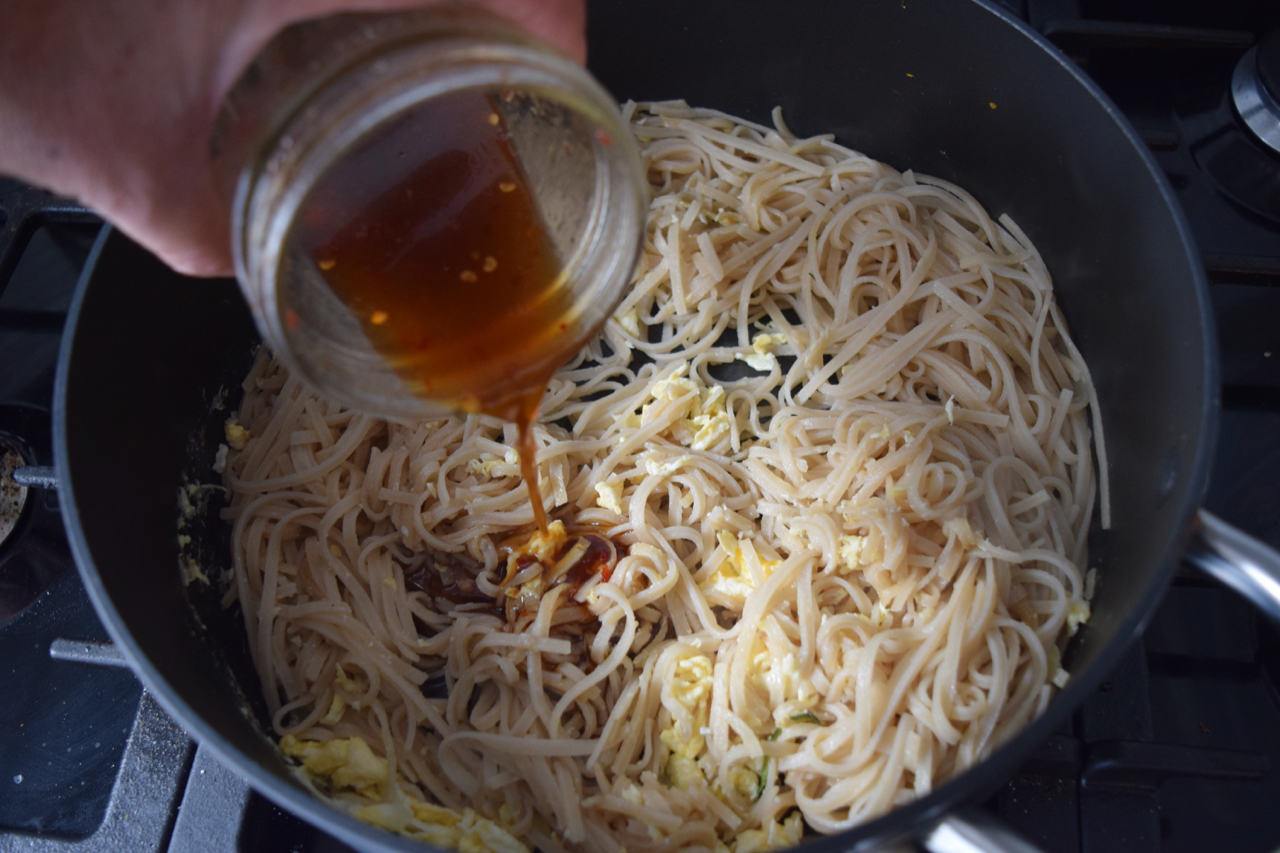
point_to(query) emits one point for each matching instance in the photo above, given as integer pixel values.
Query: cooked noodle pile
(834, 455)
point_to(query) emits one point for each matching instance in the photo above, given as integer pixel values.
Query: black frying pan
(946, 87)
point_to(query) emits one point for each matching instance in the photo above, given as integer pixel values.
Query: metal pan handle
(1241, 562)
(972, 830)
(1233, 557)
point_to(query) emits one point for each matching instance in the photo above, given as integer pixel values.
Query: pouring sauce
(430, 235)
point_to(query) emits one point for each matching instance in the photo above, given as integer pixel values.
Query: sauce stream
(429, 234)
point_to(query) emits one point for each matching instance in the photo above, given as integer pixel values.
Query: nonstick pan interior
(947, 88)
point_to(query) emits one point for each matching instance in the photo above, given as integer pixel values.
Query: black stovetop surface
(1178, 750)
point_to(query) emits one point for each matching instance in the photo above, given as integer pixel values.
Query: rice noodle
(840, 440)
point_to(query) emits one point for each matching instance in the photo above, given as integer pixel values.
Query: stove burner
(13, 497)
(33, 549)
(1255, 90)
(1237, 143)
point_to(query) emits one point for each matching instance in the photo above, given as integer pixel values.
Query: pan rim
(902, 821)
(291, 797)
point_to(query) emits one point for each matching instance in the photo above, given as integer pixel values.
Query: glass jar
(336, 125)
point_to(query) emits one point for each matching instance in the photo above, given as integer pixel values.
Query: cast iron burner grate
(13, 496)
(33, 549)
(62, 730)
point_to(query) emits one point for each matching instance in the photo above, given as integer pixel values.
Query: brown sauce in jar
(429, 234)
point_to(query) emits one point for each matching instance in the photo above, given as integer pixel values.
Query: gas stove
(1178, 750)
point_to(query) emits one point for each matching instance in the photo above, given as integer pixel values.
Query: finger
(562, 23)
(188, 245)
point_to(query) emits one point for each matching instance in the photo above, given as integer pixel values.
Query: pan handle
(40, 476)
(1243, 563)
(1235, 558)
(971, 830)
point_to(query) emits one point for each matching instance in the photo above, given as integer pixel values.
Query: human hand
(112, 102)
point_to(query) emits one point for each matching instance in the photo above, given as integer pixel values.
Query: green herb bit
(806, 717)
(764, 767)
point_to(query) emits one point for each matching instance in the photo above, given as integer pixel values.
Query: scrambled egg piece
(486, 462)
(673, 387)
(712, 423)
(778, 834)
(349, 765)
(337, 708)
(745, 782)
(349, 685)
(850, 554)
(467, 832)
(346, 763)
(220, 459)
(1057, 675)
(687, 698)
(630, 323)
(626, 420)
(237, 436)
(762, 359)
(185, 505)
(662, 467)
(543, 546)
(734, 577)
(609, 494)
(699, 419)
(1077, 615)
(191, 572)
(790, 693)
(703, 419)
(683, 772)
